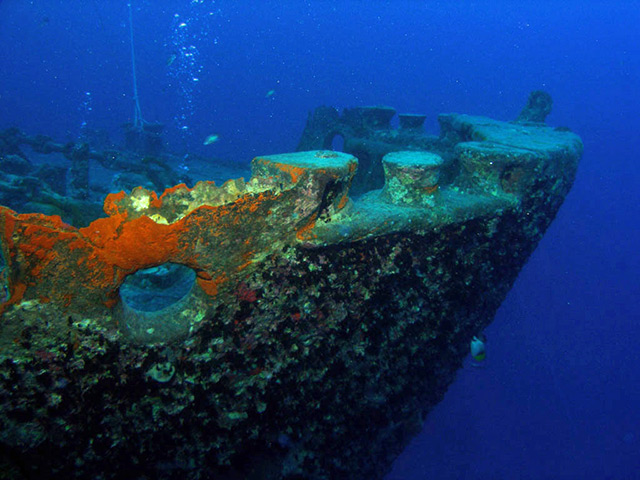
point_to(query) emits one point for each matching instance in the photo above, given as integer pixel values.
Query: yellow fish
(211, 139)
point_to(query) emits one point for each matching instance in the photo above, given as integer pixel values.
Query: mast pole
(138, 121)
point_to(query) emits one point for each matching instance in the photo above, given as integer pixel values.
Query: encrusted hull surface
(320, 329)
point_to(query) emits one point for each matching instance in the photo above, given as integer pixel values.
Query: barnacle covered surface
(320, 329)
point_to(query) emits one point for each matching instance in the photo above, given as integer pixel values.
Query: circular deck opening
(156, 288)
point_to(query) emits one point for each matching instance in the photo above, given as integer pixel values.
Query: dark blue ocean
(559, 394)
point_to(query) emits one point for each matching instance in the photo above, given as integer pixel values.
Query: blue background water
(558, 396)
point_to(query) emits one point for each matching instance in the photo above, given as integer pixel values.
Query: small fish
(171, 59)
(269, 93)
(478, 347)
(211, 139)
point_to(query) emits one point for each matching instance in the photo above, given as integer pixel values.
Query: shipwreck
(329, 300)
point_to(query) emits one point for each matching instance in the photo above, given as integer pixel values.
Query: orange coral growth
(304, 233)
(64, 263)
(111, 202)
(131, 244)
(343, 201)
(210, 285)
(172, 190)
(16, 293)
(294, 171)
(82, 269)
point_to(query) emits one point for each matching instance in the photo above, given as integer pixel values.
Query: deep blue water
(559, 395)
